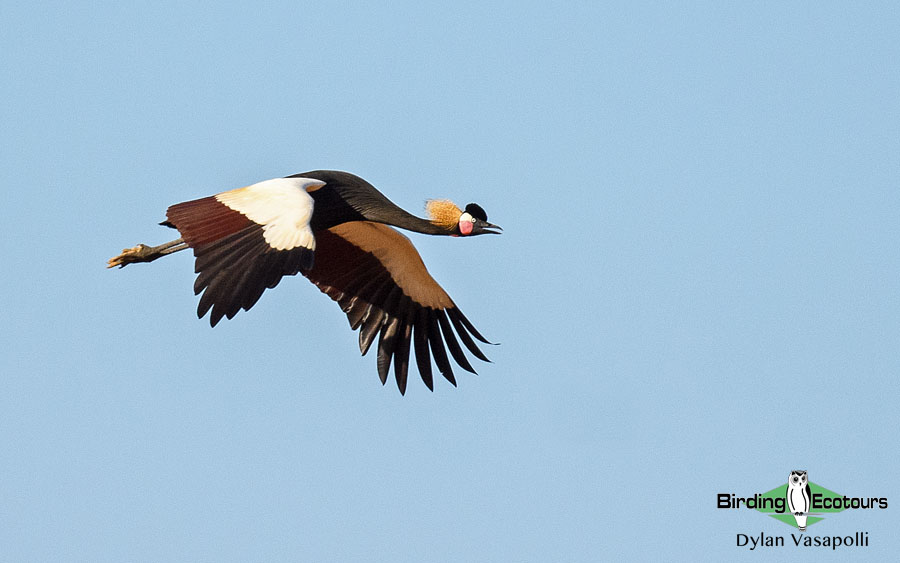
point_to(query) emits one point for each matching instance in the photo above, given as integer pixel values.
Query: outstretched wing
(375, 274)
(245, 241)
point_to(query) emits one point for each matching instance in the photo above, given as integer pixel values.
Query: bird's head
(473, 221)
(798, 478)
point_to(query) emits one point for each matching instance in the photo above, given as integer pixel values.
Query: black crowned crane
(332, 227)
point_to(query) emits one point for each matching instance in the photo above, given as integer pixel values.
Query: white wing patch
(282, 206)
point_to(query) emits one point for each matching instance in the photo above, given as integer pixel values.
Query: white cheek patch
(283, 208)
(465, 223)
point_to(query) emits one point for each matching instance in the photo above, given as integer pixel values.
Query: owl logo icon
(798, 497)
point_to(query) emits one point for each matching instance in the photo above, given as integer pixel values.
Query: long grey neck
(398, 217)
(346, 197)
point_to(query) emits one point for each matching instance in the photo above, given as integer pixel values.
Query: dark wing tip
(455, 312)
(461, 329)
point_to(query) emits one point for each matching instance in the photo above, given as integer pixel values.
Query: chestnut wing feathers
(375, 274)
(234, 260)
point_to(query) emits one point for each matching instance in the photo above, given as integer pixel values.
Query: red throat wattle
(465, 227)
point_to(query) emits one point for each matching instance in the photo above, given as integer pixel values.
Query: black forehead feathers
(476, 211)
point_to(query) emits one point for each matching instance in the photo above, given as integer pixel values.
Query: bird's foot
(144, 253)
(139, 253)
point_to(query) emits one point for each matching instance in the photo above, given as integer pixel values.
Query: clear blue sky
(697, 291)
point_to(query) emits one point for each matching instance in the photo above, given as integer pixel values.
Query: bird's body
(333, 228)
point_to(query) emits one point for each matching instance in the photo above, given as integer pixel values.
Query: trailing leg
(144, 253)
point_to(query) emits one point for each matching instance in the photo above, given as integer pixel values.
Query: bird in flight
(334, 228)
